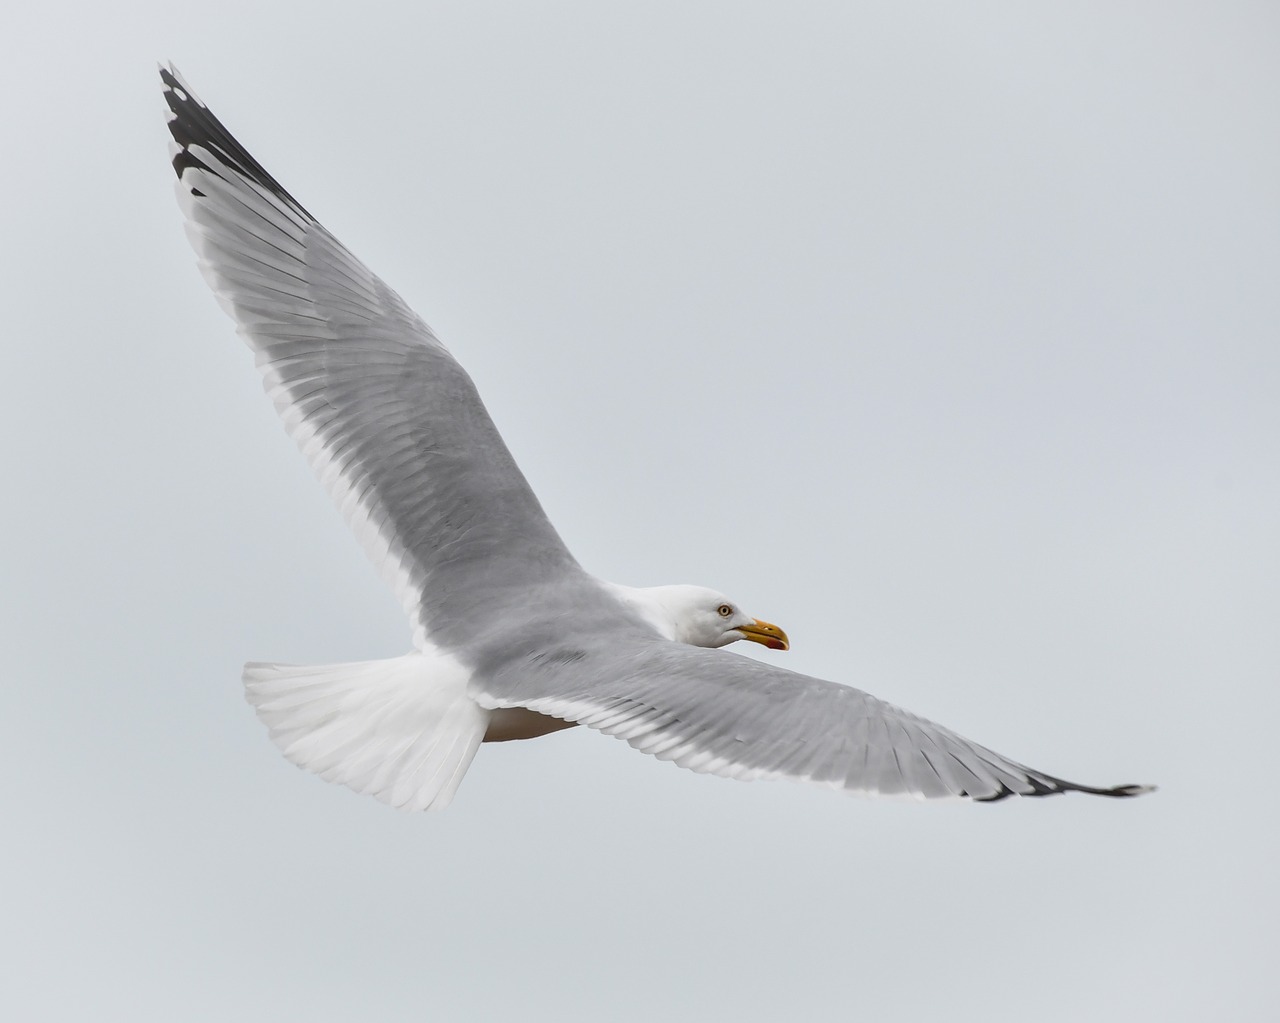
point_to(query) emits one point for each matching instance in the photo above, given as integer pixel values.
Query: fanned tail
(402, 730)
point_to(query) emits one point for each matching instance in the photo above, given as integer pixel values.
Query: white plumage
(402, 730)
(512, 638)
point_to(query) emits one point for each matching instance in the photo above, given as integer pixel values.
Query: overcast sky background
(943, 335)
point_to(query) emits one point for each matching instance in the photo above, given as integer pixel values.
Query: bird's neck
(650, 603)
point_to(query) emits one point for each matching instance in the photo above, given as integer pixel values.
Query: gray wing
(721, 713)
(388, 419)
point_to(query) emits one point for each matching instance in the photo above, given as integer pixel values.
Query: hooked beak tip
(766, 634)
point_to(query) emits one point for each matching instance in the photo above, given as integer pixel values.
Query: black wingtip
(1043, 785)
(1115, 792)
(191, 123)
(1124, 791)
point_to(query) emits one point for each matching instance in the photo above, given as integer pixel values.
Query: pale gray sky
(990, 292)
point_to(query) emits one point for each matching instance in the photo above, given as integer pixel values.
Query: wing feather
(387, 418)
(719, 713)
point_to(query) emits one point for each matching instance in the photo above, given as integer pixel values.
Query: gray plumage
(505, 620)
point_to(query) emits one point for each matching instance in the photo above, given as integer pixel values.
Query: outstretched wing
(721, 713)
(388, 419)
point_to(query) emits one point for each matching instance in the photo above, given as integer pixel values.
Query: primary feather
(504, 619)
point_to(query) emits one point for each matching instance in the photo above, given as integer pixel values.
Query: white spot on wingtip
(180, 94)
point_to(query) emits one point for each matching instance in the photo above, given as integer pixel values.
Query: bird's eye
(724, 610)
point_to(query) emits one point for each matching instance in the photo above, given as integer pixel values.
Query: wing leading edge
(720, 713)
(389, 420)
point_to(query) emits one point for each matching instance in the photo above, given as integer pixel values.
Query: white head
(702, 617)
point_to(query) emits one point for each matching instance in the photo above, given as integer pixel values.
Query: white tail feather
(403, 730)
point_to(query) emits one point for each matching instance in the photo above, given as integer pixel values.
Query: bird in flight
(512, 639)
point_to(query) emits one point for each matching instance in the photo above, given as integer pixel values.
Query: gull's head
(702, 617)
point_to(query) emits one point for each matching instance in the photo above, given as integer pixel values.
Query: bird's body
(512, 638)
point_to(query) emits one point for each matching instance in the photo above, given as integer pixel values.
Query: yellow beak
(762, 632)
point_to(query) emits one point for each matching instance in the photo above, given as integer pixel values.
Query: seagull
(512, 639)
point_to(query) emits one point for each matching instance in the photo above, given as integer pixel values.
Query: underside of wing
(720, 713)
(389, 420)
